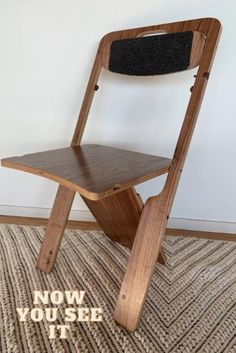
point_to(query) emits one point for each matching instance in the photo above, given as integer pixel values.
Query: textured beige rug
(191, 305)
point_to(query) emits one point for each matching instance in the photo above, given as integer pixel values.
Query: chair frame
(138, 226)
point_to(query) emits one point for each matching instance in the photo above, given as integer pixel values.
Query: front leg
(55, 229)
(141, 265)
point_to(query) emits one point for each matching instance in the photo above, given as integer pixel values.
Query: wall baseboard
(202, 225)
(86, 216)
(40, 212)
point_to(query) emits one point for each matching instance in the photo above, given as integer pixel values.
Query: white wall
(46, 52)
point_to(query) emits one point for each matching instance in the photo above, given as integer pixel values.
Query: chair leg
(55, 229)
(141, 265)
(119, 216)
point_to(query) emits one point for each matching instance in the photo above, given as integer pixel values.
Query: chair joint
(206, 75)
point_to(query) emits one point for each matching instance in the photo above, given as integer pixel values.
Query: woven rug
(191, 306)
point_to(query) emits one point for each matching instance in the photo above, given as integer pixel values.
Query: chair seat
(95, 171)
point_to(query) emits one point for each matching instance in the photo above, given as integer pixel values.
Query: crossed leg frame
(122, 216)
(143, 235)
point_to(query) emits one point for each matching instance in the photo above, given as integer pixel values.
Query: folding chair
(105, 176)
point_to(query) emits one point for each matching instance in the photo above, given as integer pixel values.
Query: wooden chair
(105, 176)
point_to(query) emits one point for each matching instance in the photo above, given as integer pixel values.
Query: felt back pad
(151, 55)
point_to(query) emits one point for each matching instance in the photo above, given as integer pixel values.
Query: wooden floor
(33, 221)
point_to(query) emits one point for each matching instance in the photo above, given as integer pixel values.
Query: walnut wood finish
(197, 49)
(156, 210)
(64, 193)
(152, 225)
(141, 265)
(118, 215)
(94, 171)
(55, 229)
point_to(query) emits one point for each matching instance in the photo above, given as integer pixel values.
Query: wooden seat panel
(95, 171)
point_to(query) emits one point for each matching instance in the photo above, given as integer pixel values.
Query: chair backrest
(147, 51)
(156, 54)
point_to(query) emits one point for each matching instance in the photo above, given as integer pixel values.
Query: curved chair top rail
(157, 49)
(205, 36)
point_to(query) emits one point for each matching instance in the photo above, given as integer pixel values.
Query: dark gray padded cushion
(152, 55)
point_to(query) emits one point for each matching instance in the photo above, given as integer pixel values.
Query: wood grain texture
(94, 171)
(199, 40)
(202, 25)
(54, 234)
(156, 211)
(141, 265)
(55, 229)
(152, 226)
(88, 98)
(118, 215)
